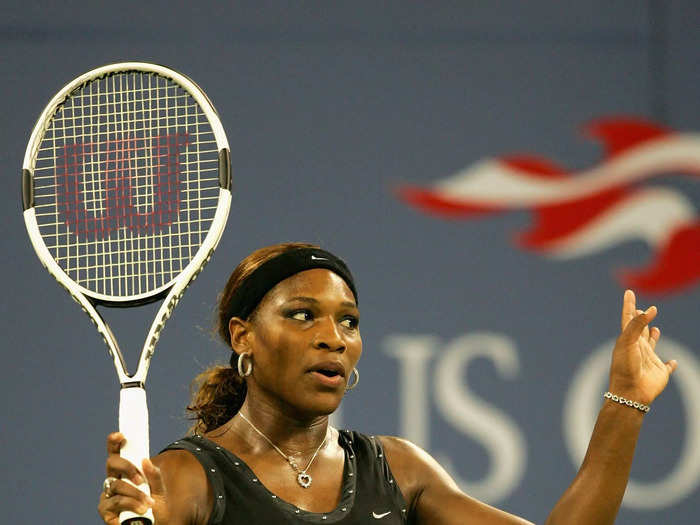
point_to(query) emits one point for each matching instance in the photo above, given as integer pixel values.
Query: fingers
(119, 503)
(637, 325)
(154, 477)
(128, 492)
(641, 319)
(671, 366)
(645, 331)
(119, 467)
(123, 494)
(116, 465)
(654, 336)
(115, 441)
(629, 308)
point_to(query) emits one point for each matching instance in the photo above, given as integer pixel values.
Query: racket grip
(133, 423)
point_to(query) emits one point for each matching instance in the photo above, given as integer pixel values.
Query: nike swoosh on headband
(379, 516)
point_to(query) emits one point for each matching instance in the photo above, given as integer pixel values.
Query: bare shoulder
(412, 467)
(432, 494)
(400, 447)
(188, 490)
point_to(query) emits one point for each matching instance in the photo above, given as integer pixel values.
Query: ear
(240, 334)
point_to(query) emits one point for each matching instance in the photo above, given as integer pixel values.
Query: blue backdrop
(378, 130)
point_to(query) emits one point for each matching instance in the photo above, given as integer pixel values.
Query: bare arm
(596, 492)
(432, 495)
(636, 373)
(595, 495)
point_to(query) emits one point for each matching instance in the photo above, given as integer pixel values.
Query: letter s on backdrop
(464, 410)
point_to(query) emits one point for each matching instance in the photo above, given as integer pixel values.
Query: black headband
(271, 272)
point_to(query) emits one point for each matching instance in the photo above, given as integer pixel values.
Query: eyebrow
(311, 300)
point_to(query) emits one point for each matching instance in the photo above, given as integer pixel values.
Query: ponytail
(219, 395)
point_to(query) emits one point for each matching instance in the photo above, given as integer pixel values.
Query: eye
(350, 321)
(300, 315)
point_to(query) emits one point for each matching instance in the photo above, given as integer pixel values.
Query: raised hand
(636, 372)
(123, 495)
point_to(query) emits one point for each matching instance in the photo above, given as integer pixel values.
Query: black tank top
(369, 492)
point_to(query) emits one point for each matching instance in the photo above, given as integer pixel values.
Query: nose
(328, 336)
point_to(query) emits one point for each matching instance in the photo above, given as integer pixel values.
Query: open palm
(636, 372)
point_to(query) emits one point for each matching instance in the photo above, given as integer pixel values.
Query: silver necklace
(303, 477)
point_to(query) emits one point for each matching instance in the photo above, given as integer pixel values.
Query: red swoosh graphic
(568, 208)
(675, 268)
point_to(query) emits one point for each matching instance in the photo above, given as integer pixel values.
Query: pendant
(304, 480)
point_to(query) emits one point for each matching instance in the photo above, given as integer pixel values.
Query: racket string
(121, 181)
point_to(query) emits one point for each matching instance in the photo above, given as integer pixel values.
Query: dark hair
(219, 391)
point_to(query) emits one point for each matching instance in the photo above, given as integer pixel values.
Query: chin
(322, 403)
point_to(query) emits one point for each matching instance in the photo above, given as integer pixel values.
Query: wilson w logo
(131, 184)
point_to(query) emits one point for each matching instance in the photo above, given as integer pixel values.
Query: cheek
(355, 348)
(277, 352)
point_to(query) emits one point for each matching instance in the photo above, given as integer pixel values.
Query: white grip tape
(133, 423)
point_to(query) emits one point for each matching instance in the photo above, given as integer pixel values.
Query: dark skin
(311, 318)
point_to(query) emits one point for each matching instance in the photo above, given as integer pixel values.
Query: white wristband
(628, 402)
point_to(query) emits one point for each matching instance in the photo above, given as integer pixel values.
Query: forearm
(595, 495)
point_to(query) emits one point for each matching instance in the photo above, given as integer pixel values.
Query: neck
(292, 432)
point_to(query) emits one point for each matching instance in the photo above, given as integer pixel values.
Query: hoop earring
(350, 386)
(247, 371)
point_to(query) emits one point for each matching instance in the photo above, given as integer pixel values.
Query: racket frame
(44, 121)
(133, 412)
(171, 291)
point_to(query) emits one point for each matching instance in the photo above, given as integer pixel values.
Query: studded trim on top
(344, 505)
(380, 495)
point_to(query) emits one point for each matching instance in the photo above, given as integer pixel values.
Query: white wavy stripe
(651, 214)
(492, 182)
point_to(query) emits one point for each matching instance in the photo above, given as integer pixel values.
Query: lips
(330, 369)
(328, 374)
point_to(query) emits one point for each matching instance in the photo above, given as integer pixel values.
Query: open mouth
(329, 372)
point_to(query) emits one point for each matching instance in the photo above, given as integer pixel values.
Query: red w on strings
(131, 183)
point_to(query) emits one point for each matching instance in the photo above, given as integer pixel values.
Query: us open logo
(578, 214)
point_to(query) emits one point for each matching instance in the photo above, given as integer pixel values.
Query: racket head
(126, 177)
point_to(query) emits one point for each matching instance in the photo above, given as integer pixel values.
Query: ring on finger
(107, 486)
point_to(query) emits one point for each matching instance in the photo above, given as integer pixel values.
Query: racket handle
(133, 423)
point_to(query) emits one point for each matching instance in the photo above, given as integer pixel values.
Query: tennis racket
(126, 188)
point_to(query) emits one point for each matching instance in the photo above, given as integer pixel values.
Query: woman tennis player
(262, 451)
